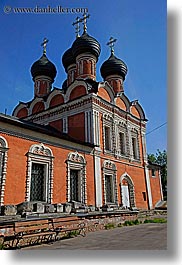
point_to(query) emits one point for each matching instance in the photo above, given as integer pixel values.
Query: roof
(45, 129)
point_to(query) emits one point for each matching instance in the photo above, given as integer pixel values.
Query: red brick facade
(84, 142)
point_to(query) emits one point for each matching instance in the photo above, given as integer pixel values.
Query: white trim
(160, 181)
(76, 161)
(88, 124)
(98, 181)
(54, 93)
(4, 146)
(18, 108)
(109, 90)
(40, 154)
(131, 189)
(148, 187)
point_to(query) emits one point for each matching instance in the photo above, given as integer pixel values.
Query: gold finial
(111, 44)
(77, 28)
(44, 44)
(84, 19)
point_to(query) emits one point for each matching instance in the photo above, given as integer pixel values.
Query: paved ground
(138, 237)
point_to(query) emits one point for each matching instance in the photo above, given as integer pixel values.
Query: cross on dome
(77, 28)
(44, 44)
(84, 19)
(111, 44)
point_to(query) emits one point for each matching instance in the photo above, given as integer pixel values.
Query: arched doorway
(127, 192)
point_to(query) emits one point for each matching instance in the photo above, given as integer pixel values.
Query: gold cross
(77, 28)
(111, 44)
(44, 44)
(84, 19)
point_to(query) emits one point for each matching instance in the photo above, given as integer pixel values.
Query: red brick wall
(76, 126)
(134, 111)
(120, 103)
(77, 92)
(38, 107)
(16, 169)
(56, 100)
(155, 187)
(17, 165)
(138, 177)
(103, 94)
(22, 113)
(57, 125)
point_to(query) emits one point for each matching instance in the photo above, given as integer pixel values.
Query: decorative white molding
(3, 167)
(36, 100)
(76, 161)
(109, 90)
(40, 154)
(18, 108)
(131, 189)
(109, 168)
(72, 87)
(54, 93)
(98, 180)
(148, 187)
(88, 126)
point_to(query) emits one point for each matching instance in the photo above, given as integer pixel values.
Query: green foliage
(129, 223)
(160, 158)
(73, 233)
(109, 226)
(1, 247)
(155, 220)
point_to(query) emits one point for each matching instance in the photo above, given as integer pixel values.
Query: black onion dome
(43, 67)
(113, 66)
(86, 44)
(68, 58)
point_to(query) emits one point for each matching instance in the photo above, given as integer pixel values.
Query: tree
(160, 158)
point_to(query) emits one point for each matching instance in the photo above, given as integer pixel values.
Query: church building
(84, 142)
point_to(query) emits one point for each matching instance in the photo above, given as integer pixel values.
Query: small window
(109, 188)
(153, 172)
(107, 138)
(144, 195)
(121, 143)
(134, 147)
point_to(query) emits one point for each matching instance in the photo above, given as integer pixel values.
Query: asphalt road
(138, 237)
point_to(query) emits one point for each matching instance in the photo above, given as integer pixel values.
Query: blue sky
(139, 26)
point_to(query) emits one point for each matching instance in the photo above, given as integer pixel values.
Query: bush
(109, 226)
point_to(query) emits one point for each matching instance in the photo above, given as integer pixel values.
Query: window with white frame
(39, 178)
(122, 143)
(110, 182)
(76, 178)
(135, 147)
(107, 138)
(109, 189)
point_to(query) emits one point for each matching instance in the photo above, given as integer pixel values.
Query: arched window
(76, 178)
(127, 192)
(3, 167)
(39, 179)
(110, 182)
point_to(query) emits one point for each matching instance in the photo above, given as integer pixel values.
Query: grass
(137, 222)
(155, 220)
